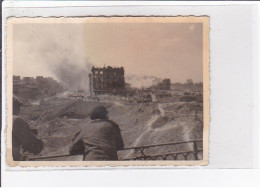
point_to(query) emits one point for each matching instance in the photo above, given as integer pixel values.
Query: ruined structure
(107, 80)
(16, 79)
(164, 85)
(33, 88)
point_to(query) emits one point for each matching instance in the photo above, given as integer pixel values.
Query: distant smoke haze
(138, 81)
(73, 78)
(57, 54)
(71, 67)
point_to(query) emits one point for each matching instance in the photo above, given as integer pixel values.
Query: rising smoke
(138, 81)
(73, 77)
(72, 71)
(62, 55)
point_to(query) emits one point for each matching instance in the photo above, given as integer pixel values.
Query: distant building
(31, 88)
(39, 79)
(16, 79)
(164, 85)
(107, 79)
(29, 80)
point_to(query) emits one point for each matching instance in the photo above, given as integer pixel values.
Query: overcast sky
(166, 50)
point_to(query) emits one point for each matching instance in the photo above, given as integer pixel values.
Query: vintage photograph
(107, 91)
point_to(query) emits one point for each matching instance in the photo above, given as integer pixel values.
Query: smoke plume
(142, 81)
(55, 50)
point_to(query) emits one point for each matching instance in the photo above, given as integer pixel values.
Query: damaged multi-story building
(107, 80)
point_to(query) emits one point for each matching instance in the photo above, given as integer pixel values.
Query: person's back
(23, 138)
(98, 139)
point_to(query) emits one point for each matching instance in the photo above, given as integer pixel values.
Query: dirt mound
(161, 121)
(132, 120)
(74, 109)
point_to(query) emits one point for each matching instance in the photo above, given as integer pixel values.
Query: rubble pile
(145, 117)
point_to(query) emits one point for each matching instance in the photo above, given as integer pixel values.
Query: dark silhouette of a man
(23, 137)
(99, 139)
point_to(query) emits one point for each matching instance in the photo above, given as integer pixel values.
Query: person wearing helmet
(23, 137)
(99, 139)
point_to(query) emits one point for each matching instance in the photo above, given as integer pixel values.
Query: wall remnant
(107, 79)
(164, 85)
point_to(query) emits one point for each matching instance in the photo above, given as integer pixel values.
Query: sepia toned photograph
(107, 91)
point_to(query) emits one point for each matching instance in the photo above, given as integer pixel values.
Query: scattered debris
(145, 116)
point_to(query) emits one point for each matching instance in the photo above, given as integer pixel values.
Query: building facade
(107, 79)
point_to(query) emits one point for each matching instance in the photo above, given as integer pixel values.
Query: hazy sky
(166, 50)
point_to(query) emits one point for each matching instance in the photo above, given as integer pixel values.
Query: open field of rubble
(166, 117)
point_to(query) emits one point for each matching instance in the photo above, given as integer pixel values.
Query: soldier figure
(23, 137)
(98, 139)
